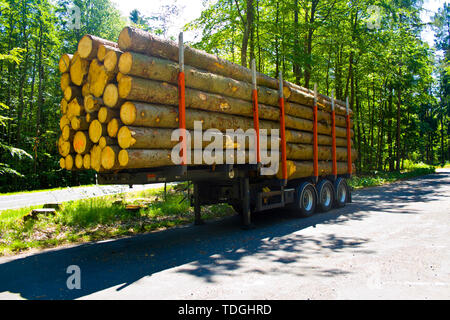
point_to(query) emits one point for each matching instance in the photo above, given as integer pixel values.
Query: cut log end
(113, 127)
(85, 46)
(125, 62)
(96, 155)
(111, 60)
(69, 162)
(125, 138)
(123, 158)
(87, 161)
(66, 132)
(95, 130)
(124, 39)
(79, 161)
(64, 63)
(128, 113)
(111, 95)
(125, 86)
(62, 163)
(80, 142)
(108, 157)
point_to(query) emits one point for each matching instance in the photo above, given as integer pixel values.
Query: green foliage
(379, 178)
(99, 218)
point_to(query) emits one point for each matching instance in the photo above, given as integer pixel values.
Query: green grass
(411, 170)
(101, 218)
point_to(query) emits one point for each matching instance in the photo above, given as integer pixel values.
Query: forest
(369, 51)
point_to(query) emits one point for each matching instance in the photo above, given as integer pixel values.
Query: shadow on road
(216, 248)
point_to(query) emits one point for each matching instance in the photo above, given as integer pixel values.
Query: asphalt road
(26, 199)
(392, 242)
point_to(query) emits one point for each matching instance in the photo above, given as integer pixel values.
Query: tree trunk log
(79, 68)
(151, 91)
(139, 65)
(146, 115)
(64, 62)
(89, 44)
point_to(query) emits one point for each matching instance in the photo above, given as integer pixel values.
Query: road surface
(392, 242)
(27, 199)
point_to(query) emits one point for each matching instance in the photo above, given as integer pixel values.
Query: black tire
(341, 193)
(305, 200)
(325, 195)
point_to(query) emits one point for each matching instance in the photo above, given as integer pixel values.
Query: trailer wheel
(325, 195)
(305, 201)
(341, 192)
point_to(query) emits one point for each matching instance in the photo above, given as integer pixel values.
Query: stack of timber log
(120, 106)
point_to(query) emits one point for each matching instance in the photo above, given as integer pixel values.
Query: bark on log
(133, 39)
(136, 40)
(160, 138)
(139, 89)
(89, 44)
(302, 169)
(147, 115)
(139, 65)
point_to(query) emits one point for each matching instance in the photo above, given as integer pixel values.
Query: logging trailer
(241, 185)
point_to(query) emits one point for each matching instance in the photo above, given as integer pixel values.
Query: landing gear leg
(197, 208)
(246, 212)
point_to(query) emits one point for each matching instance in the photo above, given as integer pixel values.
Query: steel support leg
(197, 208)
(246, 213)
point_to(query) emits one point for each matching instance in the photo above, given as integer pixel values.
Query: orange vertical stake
(315, 142)
(182, 102)
(255, 112)
(282, 131)
(333, 136)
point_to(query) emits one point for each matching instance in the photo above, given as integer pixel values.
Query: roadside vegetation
(378, 178)
(101, 218)
(132, 213)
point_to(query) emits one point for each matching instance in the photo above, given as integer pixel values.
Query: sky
(191, 9)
